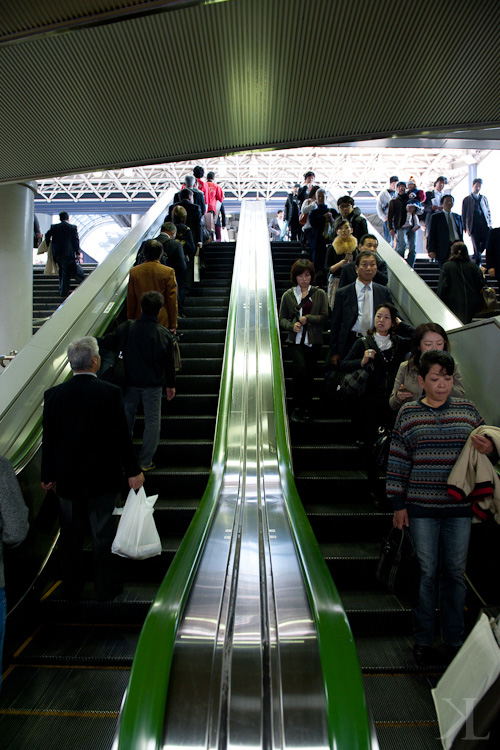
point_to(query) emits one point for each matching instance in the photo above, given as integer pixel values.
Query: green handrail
(347, 713)
(143, 712)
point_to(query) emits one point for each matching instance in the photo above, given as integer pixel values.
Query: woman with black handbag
(380, 352)
(303, 315)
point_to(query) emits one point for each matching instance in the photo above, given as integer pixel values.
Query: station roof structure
(360, 172)
(93, 85)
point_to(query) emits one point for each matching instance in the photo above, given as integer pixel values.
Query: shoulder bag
(354, 383)
(398, 569)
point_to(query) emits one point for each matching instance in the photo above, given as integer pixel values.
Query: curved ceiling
(95, 84)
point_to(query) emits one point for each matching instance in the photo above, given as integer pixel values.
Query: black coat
(438, 241)
(173, 254)
(65, 242)
(148, 352)
(345, 314)
(185, 237)
(460, 285)
(292, 209)
(86, 443)
(381, 381)
(493, 251)
(198, 200)
(193, 220)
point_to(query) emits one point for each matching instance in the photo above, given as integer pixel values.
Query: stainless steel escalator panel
(246, 670)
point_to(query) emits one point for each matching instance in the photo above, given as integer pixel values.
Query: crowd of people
(91, 410)
(402, 387)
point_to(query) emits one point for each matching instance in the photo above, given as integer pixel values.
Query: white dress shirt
(360, 293)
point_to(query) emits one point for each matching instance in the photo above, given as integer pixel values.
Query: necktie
(366, 317)
(450, 226)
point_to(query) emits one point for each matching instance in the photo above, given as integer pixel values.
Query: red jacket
(214, 193)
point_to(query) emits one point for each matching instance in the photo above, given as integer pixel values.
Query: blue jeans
(401, 245)
(443, 542)
(151, 402)
(387, 234)
(3, 617)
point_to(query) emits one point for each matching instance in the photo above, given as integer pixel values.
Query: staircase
(46, 297)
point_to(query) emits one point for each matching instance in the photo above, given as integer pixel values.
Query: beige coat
(474, 474)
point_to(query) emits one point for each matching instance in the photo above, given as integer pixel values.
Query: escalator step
(400, 697)
(40, 688)
(424, 736)
(66, 732)
(82, 644)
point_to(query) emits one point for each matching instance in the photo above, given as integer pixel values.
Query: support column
(16, 265)
(472, 174)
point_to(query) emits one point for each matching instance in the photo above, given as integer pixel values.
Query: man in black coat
(292, 212)
(198, 197)
(348, 275)
(446, 228)
(85, 449)
(149, 366)
(347, 321)
(193, 220)
(65, 250)
(350, 320)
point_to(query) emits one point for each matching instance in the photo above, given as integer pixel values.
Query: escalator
(332, 485)
(67, 678)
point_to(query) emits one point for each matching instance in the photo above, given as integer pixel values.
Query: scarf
(344, 247)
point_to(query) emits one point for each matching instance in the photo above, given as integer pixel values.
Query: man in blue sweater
(428, 438)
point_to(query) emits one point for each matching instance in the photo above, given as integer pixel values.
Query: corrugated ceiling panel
(243, 74)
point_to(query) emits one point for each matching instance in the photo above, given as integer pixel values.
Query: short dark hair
(152, 250)
(210, 175)
(418, 335)
(313, 191)
(345, 199)
(394, 178)
(179, 215)
(476, 180)
(339, 222)
(299, 267)
(151, 302)
(198, 172)
(447, 196)
(309, 174)
(63, 216)
(433, 357)
(279, 211)
(401, 183)
(459, 252)
(393, 313)
(364, 254)
(185, 194)
(367, 237)
(441, 178)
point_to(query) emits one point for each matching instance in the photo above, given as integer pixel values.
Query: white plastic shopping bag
(137, 536)
(471, 673)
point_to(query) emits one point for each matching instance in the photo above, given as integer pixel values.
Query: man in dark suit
(368, 242)
(198, 197)
(193, 220)
(65, 250)
(86, 446)
(476, 218)
(445, 229)
(354, 306)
